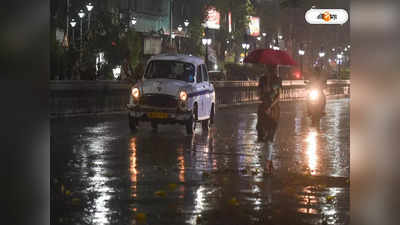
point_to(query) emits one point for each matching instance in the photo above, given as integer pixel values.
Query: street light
(133, 20)
(280, 37)
(345, 49)
(81, 14)
(117, 72)
(186, 23)
(321, 54)
(206, 42)
(264, 34)
(339, 62)
(333, 49)
(301, 53)
(259, 38)
(73, 24)
(89, 8)
(180, 28)
(246, 47)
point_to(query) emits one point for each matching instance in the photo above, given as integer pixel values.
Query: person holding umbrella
(269, 87)
(268, 112)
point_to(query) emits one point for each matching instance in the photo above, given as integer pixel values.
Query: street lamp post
(180, 28)
(206, 42)
(301, 53)
(339, 62)
(186, 23)
(246, 47)
(89, 8)
(73, 24)
(81, 14)
(133, 20)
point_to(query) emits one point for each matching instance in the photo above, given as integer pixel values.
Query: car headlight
(183, 96)
(313, 95)
(135, 93)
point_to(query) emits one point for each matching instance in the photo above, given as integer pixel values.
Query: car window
(205, 74)
(199, 76)
(170, 70)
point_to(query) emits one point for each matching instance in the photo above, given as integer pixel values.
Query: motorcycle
(315, 104)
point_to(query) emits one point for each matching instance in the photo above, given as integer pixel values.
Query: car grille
(159, 100)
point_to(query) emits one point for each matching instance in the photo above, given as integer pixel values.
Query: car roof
(178, 57)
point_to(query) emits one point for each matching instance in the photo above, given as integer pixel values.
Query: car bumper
(141, 113)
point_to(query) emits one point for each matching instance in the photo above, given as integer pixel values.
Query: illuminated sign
(254, 26)
(213, 19)
(230, 21)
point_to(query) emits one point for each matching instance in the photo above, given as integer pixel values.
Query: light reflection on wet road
(210, 178)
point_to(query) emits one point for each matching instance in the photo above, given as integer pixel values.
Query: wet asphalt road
(113, 176)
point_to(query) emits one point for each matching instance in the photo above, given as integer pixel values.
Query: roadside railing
(71, 98)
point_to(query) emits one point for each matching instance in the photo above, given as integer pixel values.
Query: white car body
(162, 95)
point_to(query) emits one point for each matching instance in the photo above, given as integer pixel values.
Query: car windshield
(170, 70)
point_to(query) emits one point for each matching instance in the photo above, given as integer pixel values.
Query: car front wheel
(191, 123)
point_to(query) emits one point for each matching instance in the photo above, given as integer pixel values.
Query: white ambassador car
(174, 89)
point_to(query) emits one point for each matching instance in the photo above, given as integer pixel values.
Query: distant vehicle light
(313, 95)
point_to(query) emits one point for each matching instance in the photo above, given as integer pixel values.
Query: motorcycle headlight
(183, 96)
(135, 93)
(313, 95)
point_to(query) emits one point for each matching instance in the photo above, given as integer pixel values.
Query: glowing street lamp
(246, 47)
(321, 54)
(180, 28)
(186, 23)
(301, 53)
(339, 62)
(133, 20)
(89, 8)
(81, 14)
(73, 24)
(206, 42)
(264, 34)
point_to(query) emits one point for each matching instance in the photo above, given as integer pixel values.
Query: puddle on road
(218, 175)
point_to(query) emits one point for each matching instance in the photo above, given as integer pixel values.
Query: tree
(117, 41)
(240, 10)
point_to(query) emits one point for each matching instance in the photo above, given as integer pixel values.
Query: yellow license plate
(157, 115)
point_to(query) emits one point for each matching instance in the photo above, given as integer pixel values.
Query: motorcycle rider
(318, 81)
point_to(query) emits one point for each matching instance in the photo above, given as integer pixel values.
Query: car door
(207, 89)
(199, 89)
